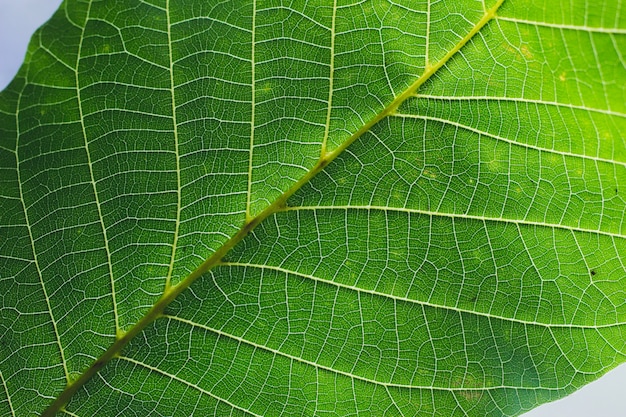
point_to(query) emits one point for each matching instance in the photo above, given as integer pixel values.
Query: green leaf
(313, 208)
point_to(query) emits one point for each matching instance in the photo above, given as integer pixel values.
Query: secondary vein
(168, 279)
(252, 112)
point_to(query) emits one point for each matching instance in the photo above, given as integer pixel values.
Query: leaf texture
(313, 208)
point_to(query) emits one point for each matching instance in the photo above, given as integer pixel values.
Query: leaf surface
(313, 208)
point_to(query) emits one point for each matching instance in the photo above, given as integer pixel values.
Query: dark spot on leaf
(248, 226)
(592, 272)
(323, 162)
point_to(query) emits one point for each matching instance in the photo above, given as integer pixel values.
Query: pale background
(19, 19)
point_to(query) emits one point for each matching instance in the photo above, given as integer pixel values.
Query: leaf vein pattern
(91, 173)
(399, 298)
(507, 140)
(318, 366)
(594, 29)
(176, 150)
(252, 109)
(520, 222)
(6, 390)
(34, 250)
(523, 100)
(187, 383)
(215, 259)
(331, 80)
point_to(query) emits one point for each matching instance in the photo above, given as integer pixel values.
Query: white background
(19, 19)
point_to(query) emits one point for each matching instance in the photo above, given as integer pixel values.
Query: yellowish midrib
(215, 259)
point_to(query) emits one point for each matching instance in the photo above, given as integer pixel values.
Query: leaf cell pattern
(325, 207)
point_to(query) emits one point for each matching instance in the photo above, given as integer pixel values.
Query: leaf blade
(432, 184)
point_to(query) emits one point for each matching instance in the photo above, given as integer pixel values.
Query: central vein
(171, 292)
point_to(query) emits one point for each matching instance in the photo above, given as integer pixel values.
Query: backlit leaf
(313, 208)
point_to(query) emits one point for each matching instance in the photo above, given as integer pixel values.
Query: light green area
(329, 208)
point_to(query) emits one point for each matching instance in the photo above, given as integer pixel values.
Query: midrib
(215, 259)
